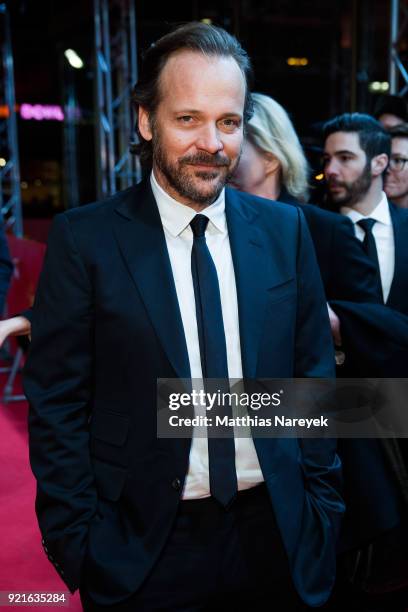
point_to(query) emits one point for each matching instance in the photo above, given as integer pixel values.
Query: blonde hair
(271, 130)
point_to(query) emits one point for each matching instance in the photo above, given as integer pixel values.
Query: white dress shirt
(176, 220)
(383, 233)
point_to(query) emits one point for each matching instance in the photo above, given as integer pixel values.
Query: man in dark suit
(356, 156)
(356, 152)
(178, 277)
(346, 272)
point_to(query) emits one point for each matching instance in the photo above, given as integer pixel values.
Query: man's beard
(354, 191)
(186, 181)
(395, 190)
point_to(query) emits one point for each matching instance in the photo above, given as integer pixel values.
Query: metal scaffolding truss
(10, 195)
(398, 32)
(116, 73)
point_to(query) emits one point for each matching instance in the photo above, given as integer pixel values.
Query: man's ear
(379, 164)
(272, 163)
(144, 124)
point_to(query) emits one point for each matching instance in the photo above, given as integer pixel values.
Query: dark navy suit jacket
(347, 273)
(375, 340)
(106, 325)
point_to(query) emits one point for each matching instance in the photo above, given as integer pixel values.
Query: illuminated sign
(41, 112)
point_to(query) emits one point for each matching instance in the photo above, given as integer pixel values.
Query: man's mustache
(206, 159)
(334, 183)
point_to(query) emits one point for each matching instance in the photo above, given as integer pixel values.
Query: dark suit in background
(375, 343)
(346, 272)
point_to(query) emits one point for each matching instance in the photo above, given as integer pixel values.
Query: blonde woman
(272, 164)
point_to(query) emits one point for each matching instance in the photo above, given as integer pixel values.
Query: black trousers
(217, 559)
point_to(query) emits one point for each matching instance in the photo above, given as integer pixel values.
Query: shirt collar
(176, 217)
(381, 212)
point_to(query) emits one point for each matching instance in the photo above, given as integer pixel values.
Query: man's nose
(209, 139)
(330, 168)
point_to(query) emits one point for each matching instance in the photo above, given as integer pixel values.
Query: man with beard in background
(356, 155)
(396, 182)
(357, 150)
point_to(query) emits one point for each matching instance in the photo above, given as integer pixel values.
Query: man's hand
(335, 326)
(16, 326)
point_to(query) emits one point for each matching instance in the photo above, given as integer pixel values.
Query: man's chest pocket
(280, 313)
(285, 291)
(276, 347)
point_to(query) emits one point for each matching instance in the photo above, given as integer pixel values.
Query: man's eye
(185, 119)
(231, 124)
(345, 158)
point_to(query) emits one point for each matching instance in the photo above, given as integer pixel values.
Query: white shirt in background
(383, 233)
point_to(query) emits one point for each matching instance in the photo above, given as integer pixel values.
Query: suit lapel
(250, 258)
(139, 233)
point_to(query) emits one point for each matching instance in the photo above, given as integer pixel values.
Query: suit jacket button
(176, 484)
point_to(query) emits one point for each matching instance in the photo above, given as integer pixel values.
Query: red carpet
(23, 564)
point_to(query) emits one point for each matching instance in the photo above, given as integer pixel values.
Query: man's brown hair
(398, 131)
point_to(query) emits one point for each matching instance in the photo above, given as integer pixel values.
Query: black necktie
(213, 350)
(369, 240)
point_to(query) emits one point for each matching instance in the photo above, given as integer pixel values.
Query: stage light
(377, 86)
(3, 162)
(24, 185)
(5, 111)
(207, 21)
(297, 61)
(319, 177)
(73, 59)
